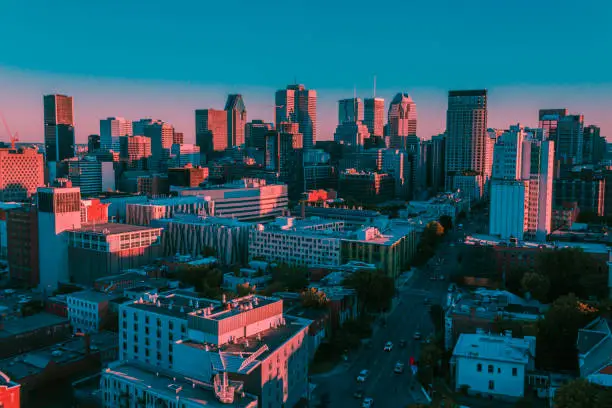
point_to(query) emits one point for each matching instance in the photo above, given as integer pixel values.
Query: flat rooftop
(173, 386)
(493, 347)
(490, 240)
(31, 323)
(112, 228)
(92, 296)
(177, 303)
(239, 305)
(489, 303)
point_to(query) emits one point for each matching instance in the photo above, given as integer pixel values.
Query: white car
(363, 375)
(399, 367)
(417, 335)
(388, 346)
(367, 402)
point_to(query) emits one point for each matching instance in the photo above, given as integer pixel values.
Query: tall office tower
(255, 133)
(21, 173)
(59, 210)
(569, 139)
(91, 176)
(350, 110)
(184, 154)
(434, 162)
(178, 138)
(161, 134)
(236, 120)
(59, 127)
(299, 105)
(280, 148)
(548, 120)
(211, 130)
(466, 129)
(402, 119)
(93, 143)
(539, 220)
(136, 151)
(138, 126)
(592, 145)
(374, 115)
(512, 155)
(352, 134)
(110, 131)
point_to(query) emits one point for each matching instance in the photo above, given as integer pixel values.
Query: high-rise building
(299, 105)
(433, 161)
(374, 115)
(350, 110)
(59, 209)
(110, 131)
(236, 120)
(178, 138)
(402, 119)
(283, 153)
(59, 127)
(466, 127)
(184, 154)
(161, 134)
(592, 145)
(136, 151)
(93, 143)
(362, 187)
(91, 175)
(138, 126)
(569, 139)
(22, 245)
(255, 133)
(352, 134)
(548, 120)
(211, 130)
(21, 173)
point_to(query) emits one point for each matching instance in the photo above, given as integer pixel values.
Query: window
(479, 368)
(498, 370)
(490, 369)
(491, 384)
(514, 371)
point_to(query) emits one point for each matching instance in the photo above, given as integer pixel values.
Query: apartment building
(87, 310)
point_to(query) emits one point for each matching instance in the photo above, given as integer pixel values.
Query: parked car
(399, 367)
(388, 346)
(417, 335)
(363, 375)
(367, 403)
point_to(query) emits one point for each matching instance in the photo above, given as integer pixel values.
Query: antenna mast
(374, 86)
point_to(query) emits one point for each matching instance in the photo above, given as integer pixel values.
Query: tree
(290, 278)
(429, 358)
(558, 331)
(244, 289)
(446, 222)
(579, 393)
(375, 290)
(536, 284)
(314, 298)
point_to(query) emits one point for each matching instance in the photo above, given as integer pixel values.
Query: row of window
(491, 369)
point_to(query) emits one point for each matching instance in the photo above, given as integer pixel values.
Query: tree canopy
(446, 222)
(375, 290)
(579, 393)
(314, 298)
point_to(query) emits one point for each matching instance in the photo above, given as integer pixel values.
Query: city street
(409, 315)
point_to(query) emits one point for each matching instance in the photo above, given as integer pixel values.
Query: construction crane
(12, 137)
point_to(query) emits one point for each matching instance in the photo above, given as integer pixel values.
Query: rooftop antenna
(374, 86)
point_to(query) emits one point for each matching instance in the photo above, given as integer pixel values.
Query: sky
(165, 59)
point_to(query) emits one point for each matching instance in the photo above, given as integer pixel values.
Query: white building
(59, 209)
(507, 211)
(87, 310)
(491, 364)
(245, 200)
(111, 129)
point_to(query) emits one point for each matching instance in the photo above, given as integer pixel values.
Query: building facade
(402, 121)
(22, 245)
(59, 127)
(236, 120)
(111, 129)
(21, 173)
(374, 115)
(211, 130)
(350, 110)
(299, 105)
(255, 133)
(366, 187)
(161, 135)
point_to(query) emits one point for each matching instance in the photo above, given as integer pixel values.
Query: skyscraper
(236, 120)
(110, 131)
(136, 151)
(351, 134)
(433, 162)
(59, 127)
(139, 126)
(211, 130)
(298, 105)
(466, 127)
(548, 120)
(255, 133)
(402, 119)
(178, 138)
(93, 143)
(161, 134)
(374, 115)
(350, 110)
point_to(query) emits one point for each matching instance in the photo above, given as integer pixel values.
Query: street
(409, 315)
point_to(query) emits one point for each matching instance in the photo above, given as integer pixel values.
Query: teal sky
(165, 59)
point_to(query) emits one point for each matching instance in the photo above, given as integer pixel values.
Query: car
(399, 367)
(417, 335)
(363, 375)
(367, 402)
(388, 346)
(358, 394)
(452, 244)
(402, 343)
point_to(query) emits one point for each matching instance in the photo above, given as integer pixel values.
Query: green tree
(375, 290)
(558, 331)
(579, 393)
(290, 278)
(314, 298)
(446, 222)
(429, 359)
(244, 289)
(537, 285)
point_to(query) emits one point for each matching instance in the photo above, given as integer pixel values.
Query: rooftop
(490, 240)
(176, 303)
(491, 303)
(30, 323)
(112, 229)
(342, 212)
(92, 296)
(495, 347)
(173, 386)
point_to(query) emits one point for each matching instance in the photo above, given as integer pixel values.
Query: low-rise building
(27, 333)
(493, 365)
(88, 310)
(594, 344)
(155, 209)
(9, 392)
(366, 187)
(348, 216)
(246, 276)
